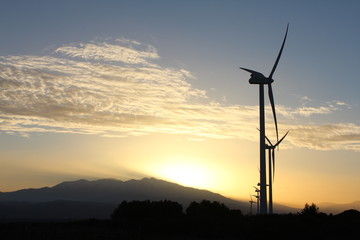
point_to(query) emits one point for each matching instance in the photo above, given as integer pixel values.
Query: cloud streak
(117, 89)
(111, 52)
(326, 137)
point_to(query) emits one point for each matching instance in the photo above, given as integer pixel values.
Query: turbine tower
(271, 149)
(261, 80)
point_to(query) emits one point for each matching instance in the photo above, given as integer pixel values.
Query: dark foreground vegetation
(205, 220)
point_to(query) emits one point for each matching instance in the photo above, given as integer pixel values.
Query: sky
(133, 89)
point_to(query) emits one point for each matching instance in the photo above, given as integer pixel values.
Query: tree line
(138, 210)
(200, 220)
(214, 220)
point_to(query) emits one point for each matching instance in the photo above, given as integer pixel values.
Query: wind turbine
(257, 199)
(271, 149)
(251, 205)
(261, 80)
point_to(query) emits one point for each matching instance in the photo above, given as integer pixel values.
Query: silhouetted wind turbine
(271, 149)
(251, 204)
(257, 199)
(261, 80)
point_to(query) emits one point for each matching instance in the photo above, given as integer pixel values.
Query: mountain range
(338, 208)
(97, 199)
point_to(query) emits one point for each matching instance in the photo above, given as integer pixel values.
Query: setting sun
(187, 172)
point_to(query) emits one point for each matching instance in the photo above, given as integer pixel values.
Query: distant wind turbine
(257, 199)
(271, 149)
(251, 205)
(261, 80)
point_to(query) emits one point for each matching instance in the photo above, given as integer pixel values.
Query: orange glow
(188, 172)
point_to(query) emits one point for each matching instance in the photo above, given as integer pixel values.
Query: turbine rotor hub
(260, 80)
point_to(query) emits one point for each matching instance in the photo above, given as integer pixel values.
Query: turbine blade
(281, 139)
(279, 55)
(271, 98)
(267, 139)
(250, 71)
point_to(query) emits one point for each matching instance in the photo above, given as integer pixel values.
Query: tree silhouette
(138, 210)
(141, 218)
(310, 210)
(207, 210)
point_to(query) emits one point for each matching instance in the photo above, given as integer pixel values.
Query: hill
(97, 199)
(338, 208)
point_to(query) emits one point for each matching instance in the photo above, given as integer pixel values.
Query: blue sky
(117, 77)
(321, 32)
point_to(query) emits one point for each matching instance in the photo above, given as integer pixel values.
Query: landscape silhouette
(201, 220)
(161, 218)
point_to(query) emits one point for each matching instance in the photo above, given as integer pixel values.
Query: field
(232, 226)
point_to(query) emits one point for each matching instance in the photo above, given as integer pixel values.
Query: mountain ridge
(124, 190)
(336, 208)
(109, 193)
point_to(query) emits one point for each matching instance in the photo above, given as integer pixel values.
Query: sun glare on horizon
(187, 172)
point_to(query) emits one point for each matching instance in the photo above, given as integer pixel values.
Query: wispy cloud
(116, 89)
(112, 52)
(326, 137)
(293, 113)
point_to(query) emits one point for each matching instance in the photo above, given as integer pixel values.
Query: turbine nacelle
(260, 80)
(269, 147)
(257, 78)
